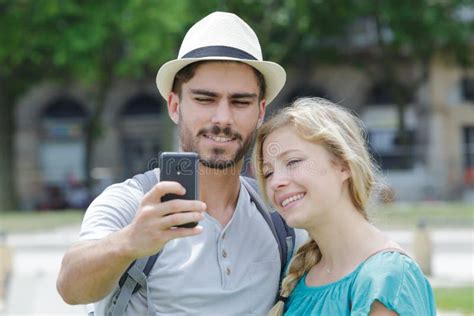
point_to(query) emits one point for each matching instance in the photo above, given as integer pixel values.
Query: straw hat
(222, 36)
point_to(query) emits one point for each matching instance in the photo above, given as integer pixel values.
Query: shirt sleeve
(112, 210)
(396, 281)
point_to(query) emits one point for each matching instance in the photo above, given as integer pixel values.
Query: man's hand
(91, 269)
(155, 222)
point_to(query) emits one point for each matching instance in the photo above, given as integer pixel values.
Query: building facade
(438, 162)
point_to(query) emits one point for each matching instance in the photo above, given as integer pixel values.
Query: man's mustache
(218, 131)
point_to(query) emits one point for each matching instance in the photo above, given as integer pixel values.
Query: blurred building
(436, 163)
(437, 159)
(50, 145)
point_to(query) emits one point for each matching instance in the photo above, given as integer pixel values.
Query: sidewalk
(452, 255)
(37, 258)
(36, 262)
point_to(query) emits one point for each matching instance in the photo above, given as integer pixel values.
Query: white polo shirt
(231, 270)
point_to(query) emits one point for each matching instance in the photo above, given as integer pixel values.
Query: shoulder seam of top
(403, 276)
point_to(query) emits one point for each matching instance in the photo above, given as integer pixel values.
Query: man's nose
(223, 114)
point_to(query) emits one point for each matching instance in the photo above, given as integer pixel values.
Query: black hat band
(219, 51)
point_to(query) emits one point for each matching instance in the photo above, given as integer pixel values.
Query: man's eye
(203, 100)
(241, 103)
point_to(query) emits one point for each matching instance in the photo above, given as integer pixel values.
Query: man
(217, 91)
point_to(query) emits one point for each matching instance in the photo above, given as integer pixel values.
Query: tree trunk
(94, 127)
(7, 190)
(91, 137)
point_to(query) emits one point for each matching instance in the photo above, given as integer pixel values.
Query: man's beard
(189, 144)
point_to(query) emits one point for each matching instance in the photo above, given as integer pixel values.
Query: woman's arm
(378, 309)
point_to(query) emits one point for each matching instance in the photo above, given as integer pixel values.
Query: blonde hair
(342, 134)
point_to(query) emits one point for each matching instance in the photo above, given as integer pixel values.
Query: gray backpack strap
(284, 235)
(137, 273)
(135, 276)
(147, 180)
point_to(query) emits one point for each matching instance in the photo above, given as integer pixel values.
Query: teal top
(389, 277)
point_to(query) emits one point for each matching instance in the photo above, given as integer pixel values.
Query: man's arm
(91, 269)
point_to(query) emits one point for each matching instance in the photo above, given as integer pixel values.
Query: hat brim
(274, 74)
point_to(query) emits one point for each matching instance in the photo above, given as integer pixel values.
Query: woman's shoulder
(392, 268)
(394, 279)
(390, 262)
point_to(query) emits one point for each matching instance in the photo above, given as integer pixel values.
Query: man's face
(218, 112)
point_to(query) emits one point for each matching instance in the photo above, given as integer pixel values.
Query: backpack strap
(147, 180)
(284, 235)
(135, 277)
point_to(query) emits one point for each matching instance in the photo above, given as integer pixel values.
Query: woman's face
(301, 178)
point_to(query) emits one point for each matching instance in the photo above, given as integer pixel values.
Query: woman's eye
(293, 162)
(267, 175)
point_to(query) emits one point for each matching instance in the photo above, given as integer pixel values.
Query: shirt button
(224, 253)
(227, 271)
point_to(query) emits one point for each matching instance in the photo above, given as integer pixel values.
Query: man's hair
(187, 73)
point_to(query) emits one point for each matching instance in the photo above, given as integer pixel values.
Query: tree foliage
(90, 42)
(96, 42)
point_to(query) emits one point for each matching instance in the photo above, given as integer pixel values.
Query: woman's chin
(293, 221)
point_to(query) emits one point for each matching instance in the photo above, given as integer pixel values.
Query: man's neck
(219, 189)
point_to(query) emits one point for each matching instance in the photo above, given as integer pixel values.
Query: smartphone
(181, 167)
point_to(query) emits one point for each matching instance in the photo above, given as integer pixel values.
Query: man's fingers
(161, 189)
(178, 232)
(179, 206)
(174, 206)
(180, 218)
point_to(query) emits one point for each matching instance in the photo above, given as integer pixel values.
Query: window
(390, 151)
(468, 148)
(467, 87)
(62, 149)
(381, 94)
(143, 104)
(141, 133)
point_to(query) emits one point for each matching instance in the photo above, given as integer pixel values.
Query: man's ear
(173, 107)
(261, 112)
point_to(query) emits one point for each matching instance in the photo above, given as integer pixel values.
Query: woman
(313, 165)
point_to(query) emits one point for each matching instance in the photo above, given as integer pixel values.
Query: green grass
(455, 299)
(436, 214)
(18, 221)
(393, 215)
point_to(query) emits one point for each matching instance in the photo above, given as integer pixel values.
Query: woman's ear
(345, 171)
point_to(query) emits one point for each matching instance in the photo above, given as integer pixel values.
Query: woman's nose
(278, 180)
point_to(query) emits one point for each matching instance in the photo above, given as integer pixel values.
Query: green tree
(97, 42)
(92, 42)
(306, 33)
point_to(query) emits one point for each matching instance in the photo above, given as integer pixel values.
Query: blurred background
(79, 110)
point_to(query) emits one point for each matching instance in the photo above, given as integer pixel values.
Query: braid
(306, 257)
